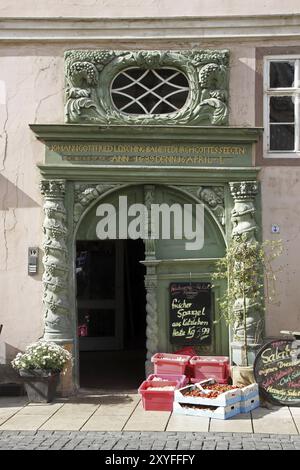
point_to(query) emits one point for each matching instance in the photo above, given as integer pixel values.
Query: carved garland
(89, 75)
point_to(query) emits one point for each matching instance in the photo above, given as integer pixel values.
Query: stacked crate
(165, 363)
(169, 374)
(207, 367)
(223, 406)
(158, 395)
(167, 389)
(201, 400)
(249, 398)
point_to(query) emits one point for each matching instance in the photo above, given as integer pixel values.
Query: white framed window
(282, 106)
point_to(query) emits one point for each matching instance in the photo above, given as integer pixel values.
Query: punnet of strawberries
(219, 387)
(200, 394)
(213, 390)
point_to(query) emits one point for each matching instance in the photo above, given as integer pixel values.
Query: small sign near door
(190, 313)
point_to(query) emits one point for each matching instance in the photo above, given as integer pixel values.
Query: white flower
(42, 354)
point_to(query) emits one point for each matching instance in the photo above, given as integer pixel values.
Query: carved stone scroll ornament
(243, 221)
(89, 75)
(55, 260)
(85, 194)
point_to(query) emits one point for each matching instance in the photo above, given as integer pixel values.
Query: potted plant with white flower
(40, 366)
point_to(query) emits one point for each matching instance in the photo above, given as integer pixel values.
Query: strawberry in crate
(208, 393)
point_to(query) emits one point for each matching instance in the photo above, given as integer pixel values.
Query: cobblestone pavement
(156, 441)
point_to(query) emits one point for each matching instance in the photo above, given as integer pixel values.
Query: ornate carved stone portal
(111, 147)
(90, 74)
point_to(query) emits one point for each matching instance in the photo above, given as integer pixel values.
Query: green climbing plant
(248, 269)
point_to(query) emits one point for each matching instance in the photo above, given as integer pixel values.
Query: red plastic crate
(211, 367)
(157, 400)
(182, 380)
(165, 363)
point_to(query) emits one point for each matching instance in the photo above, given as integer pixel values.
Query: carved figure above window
(147, 87)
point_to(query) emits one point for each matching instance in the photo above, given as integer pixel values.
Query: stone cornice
(148, 175)
(88, 132)
(130, 29)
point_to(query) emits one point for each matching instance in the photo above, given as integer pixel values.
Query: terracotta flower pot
(40, 385)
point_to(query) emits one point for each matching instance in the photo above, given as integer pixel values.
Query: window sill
(286, 156)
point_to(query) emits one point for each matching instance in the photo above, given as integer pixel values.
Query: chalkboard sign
(190, 313)
(277, 371)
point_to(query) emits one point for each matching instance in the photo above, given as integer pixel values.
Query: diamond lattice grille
(151, 91)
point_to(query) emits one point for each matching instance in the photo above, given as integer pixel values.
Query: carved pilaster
(55, 261)
(151, 310)
(150, 282)
(242, 215)
(243, 221)
(149, 198)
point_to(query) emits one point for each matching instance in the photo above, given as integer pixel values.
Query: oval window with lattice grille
(149, 91)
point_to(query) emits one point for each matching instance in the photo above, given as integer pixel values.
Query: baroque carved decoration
(87, 193)
(243, 221)
(89, 75)
(55, 262)
(211, 196)
(244, 190)
(242, 215)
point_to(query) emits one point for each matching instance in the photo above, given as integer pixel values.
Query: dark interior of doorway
(102, 274)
